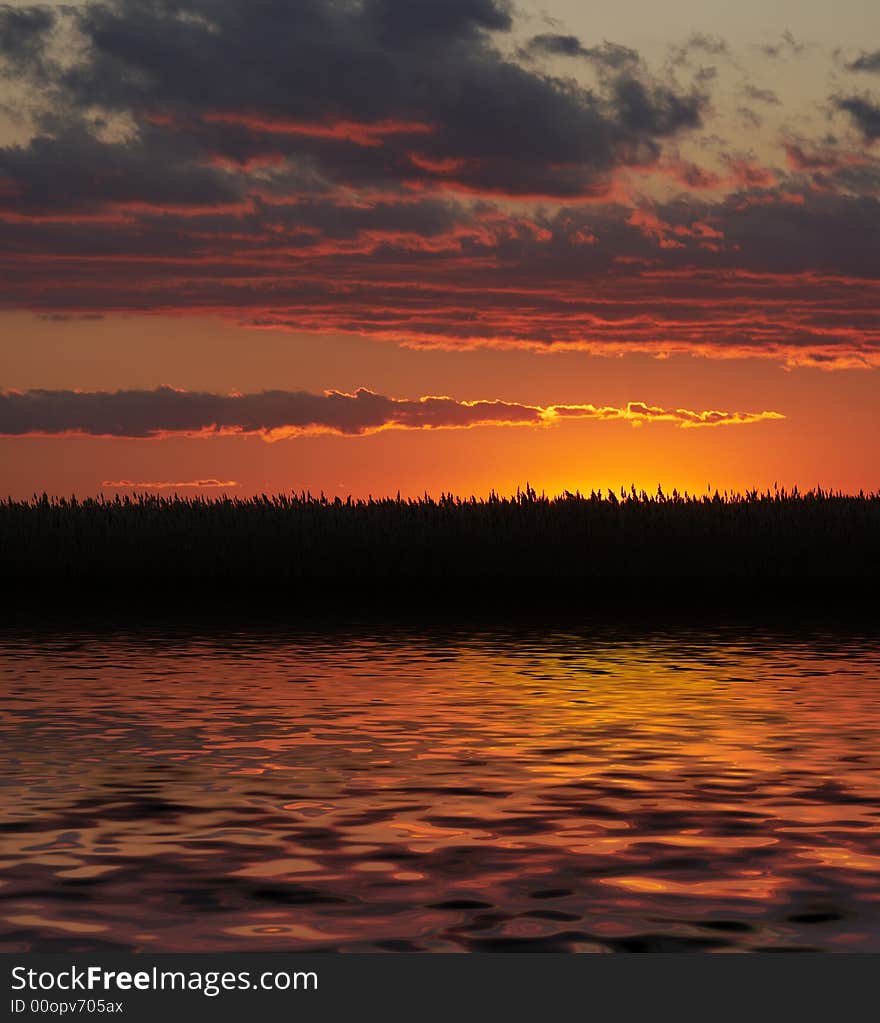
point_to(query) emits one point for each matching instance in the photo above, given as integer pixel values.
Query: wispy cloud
(637, 413)
(168, 485)
(278, 415)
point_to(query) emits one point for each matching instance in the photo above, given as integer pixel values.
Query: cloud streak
(279, 415)
(168, 485)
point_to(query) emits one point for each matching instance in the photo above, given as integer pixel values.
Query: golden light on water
(566, 788)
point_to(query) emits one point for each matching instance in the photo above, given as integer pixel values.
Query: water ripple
(569, 790)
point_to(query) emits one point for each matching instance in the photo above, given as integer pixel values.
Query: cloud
(72, 172)
(865, 62)
(787, 46)
(277, 415)
(784, 271)
(703, 43)
(392, 169)
(761, 95)
(638, 413)
(555, 44)
(749, 117)
(23, 34)
(606, 55)
(864, 112)
(379, 63)
(166, 485)
(698, 44)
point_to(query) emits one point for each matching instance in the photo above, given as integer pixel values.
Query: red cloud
(360, 133)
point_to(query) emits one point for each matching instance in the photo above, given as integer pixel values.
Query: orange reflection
(570, 790)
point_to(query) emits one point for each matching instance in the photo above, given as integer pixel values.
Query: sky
(370, 246)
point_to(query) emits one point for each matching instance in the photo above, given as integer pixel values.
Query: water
(445, 790)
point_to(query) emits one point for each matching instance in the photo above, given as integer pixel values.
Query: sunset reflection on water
(440, 789)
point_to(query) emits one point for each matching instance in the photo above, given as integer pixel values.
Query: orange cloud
(637, 413)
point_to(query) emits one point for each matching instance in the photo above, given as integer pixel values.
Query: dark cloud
(606, 54)
(23, 35)
(276, 415)
(761, 95)
(698, 44)
(703, 43)
(651, 111)
(864, 112)
(865, 62)
(431, 20)
(787, 46)
(73, 170)
(555, 44)
(786, 270)
(272, 414)
(382, 168)
(749, 117)
(311, 78)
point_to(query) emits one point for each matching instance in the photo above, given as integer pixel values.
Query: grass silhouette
(287, 538)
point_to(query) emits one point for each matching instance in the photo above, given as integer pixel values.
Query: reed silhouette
(285, 538)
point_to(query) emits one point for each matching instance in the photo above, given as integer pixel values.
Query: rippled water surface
(445, 790)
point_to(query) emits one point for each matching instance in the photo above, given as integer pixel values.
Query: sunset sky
(363, 246)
